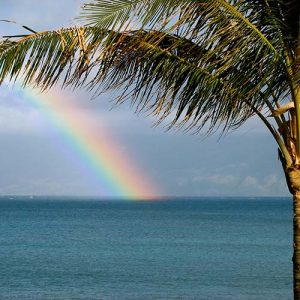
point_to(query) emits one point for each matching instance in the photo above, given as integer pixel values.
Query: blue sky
(243, 163)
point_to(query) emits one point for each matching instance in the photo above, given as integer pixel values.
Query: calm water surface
(217, 249)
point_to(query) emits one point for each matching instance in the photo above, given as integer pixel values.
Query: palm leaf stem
(271, 108)
(297, 109)
(295, 92)
(24, 26)
(15, 36)
(282, 117)
(240, 16)
(296, 87)
(274, 133)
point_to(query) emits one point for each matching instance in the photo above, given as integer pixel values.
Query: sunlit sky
(242, 163)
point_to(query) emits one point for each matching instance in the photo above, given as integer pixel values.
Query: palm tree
(199, 65)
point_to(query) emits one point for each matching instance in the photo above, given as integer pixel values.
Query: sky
(36, 159)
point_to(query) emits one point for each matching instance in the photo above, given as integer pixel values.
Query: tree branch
(274, 133)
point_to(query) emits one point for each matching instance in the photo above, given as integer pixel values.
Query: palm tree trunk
(296, 255)
(293, 182)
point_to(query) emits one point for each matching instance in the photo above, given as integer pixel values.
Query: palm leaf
(213, 63)
(114, 14)
(226, 28)
(160, 72)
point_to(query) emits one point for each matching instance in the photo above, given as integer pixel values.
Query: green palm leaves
(134, 13)
(199, 62)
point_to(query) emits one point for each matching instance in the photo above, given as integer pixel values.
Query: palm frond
(192, 16)
(199, 61)
(6, 44)
(115, 14)
(162, 73)
(232, 29)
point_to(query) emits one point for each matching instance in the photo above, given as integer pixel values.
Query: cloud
(18, 115)
(51, 186)
(17, 121)
(217, 179)
(230, 180)
(269, 185)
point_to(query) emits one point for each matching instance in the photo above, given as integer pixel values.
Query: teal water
(217, 249)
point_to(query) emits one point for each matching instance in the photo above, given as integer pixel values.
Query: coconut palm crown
(200, 65)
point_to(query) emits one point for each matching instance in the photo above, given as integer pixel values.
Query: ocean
(181, 248)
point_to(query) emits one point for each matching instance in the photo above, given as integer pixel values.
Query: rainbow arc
(117, 174)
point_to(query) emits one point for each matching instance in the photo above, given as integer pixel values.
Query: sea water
(206, 248)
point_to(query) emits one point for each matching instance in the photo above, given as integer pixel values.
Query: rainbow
(96, 150)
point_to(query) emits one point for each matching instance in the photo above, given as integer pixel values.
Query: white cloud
(20, 121)
(51, 186)
(228, 180)
(231, 182)
(269, 185)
